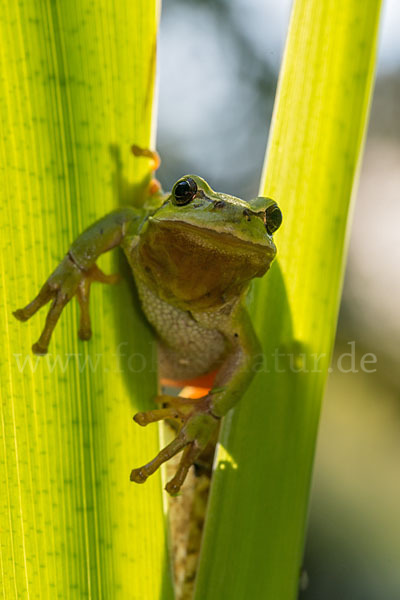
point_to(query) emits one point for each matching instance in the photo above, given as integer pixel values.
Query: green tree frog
(193, 253)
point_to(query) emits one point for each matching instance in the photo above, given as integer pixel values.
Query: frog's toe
(83, 295)
(173, 407)
(38, 349)
(142, 473)
(20, 314)
(152, 154)
(158, 414)
(85, 333)
(189, 456)
(43, 297)
(53, 315)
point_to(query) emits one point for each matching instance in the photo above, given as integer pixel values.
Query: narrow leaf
(76, 91)
(256, 518)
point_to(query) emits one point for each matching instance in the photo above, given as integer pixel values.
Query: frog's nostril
(247, 213)
(220, 204)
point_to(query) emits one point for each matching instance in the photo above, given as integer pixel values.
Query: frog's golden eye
(184, 190)
(273, 218)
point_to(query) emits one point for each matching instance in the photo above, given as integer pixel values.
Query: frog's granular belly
(186, 348)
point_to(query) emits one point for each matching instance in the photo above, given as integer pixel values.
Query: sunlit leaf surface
(256, 518)
(76, 91)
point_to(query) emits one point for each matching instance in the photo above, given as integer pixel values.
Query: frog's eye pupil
(184, 190)
(273, 218)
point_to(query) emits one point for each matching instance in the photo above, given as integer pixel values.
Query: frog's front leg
(200, 417)
(75, 274)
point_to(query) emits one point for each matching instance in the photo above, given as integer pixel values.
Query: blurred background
(218, 69)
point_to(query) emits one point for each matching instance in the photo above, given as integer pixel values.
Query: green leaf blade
(77, 91)
(256, 518)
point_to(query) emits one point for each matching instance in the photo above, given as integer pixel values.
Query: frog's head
(201, 248)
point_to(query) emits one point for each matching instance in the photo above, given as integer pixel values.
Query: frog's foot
(199, 425)
(66, 281)
(154, 185)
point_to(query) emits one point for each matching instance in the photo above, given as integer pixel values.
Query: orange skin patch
(194, 388)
